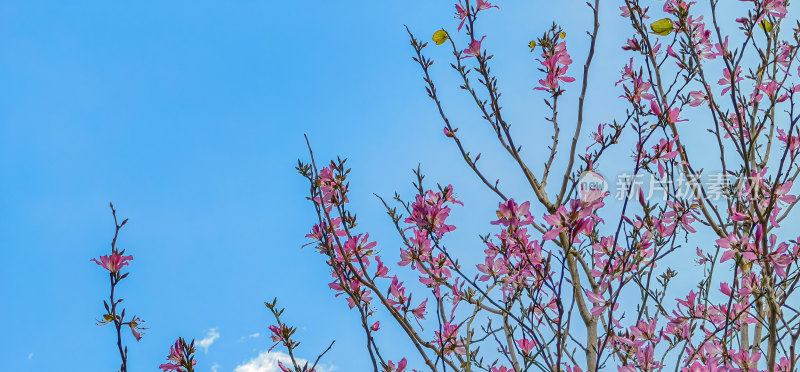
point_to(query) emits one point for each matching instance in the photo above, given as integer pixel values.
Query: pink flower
(722, 49)
(783, 58)
(419, 312)
(175, 352)
(783, 365)
(526, 345)
(474, 49)
(698, 98)
(512, 215)
(376, 326)
(776, 8)
(429, 212)
(627, 72)
(771, 89)
(484, 4)
(397, 290)
(448, 339)
(672, 114)
(135, 328)
(332, 187)
(597, 136)
(113, 263)
(782, 192)
(136, 334)
(732, 245)
(170, 367)
(600, 304)
(645, 356)
(556, 63)
(646, 331)
(550, 83)
(175, 358)
(382, 270)
(702, 37)
(748, 362)
(639, 91)
(674, 6)
(725, 289)
(632, 44)
(491, 268)
(598, 301)
(277, 333)
(671, 52)
(401, 366)
(461, 13)
(578, 220)
(729, 78)
(664, 151)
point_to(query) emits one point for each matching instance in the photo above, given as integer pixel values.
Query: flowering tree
(569, 280)
(548, 295)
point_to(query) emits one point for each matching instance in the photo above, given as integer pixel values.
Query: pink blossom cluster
(180, 357)
(555, 62)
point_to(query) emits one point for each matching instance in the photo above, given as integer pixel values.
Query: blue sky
(189, 116)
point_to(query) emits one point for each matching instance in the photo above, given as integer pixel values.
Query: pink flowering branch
(449, 130)
(281, 334)
(489, 107)
(114, 264)
(581, 100)
(349, 256)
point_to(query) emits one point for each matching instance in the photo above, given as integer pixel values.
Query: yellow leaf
(562, 34)
(662, 27)
(765, 25)
(439, 37)
(532, 45)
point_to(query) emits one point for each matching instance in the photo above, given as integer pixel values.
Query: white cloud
(267, 361)
(30, 356)
(206, 342)
(250, 336)
(215, 367)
